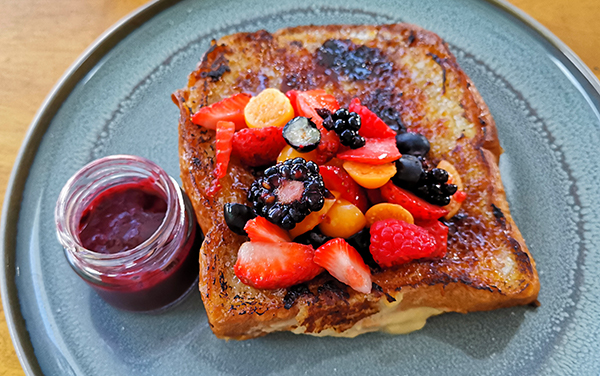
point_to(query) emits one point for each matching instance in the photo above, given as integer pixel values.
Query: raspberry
(395, 242)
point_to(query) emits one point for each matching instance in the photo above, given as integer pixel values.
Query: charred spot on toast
(499, 216)
(294, 293)
(386, 104)
(442, 63)
(345, 58)
(378, 288)
(214, 64)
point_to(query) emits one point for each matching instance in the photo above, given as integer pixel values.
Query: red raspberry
(258, 146)
(395, 242)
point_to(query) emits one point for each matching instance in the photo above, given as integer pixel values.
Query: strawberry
(258, 146)
(307, 103)
(328, 147)
(337, 179)
(371, 125)
(419, 208)
(225, 130)
(374, 196)
(395, 242)
(261, 230)
(292, 95)
(376, 151)
(439, 231)
(229, 109)
(460, 196)
(224, 137)
(344, 262)
(275, 265)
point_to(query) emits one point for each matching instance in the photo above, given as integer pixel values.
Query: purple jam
(121, 218)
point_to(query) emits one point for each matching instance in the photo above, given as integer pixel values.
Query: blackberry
(346, 124)
(288, 192)
(431, 184)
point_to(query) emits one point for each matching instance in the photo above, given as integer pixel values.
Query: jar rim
(70, 239)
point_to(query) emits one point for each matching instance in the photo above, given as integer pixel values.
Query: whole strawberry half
(275, 265)
(258, 146)
(344, 263)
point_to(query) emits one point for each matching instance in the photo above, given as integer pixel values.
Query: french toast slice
(409, 77)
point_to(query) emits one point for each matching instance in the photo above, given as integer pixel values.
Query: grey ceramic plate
(116, 100)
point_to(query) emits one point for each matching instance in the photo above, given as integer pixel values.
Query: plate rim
(63, 88)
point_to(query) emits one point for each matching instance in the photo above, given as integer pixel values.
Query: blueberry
(302, 134)
(409, 171)
(236, 216)
(412, 143)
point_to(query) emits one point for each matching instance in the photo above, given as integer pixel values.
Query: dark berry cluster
(346, 124)
(288, 192)
(434, 188)
(431, 184)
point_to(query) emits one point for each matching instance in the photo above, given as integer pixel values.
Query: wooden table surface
(40, 39)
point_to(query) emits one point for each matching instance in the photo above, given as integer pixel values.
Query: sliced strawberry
(275, 265)
(229, 109)
(371, 125)
(258, 146)
(224, 136)
(460, 196)
(261, 230)
(307, 103)
(419, 208)
(336, 179)
(374, 196)
(328, 147)
(376, 151)
(440, 232)
(344, 262)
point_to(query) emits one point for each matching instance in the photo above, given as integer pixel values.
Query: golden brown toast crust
(415, 77)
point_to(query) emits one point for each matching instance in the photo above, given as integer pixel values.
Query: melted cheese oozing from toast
(391, 319)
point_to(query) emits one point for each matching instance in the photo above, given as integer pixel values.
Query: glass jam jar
(130, 232)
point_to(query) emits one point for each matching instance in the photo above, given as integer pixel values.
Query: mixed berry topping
(375, 203)
(346, 124)
(288, 192)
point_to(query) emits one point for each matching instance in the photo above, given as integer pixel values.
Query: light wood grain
(40, 39)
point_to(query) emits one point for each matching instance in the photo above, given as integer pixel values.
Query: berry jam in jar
(130, 232)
